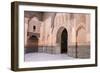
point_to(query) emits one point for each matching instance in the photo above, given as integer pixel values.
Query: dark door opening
(64, 38)
(32, 45)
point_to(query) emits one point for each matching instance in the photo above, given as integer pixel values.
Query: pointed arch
(81, 35)
(62, 39)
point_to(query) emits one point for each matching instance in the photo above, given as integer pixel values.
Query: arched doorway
(80, 40)
(32, 44)
(64, 38)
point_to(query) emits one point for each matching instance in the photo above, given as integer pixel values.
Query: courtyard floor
(46, 57)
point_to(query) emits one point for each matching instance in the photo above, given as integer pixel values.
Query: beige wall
(50, 28)
(71, 22)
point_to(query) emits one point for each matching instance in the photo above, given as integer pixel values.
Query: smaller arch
(32, 44)
(79, 28)
(33, 38)
(81, 35)
(78, 37)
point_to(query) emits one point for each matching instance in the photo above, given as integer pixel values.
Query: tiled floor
(46, 57)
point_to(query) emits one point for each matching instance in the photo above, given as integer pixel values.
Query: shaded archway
(81, 34)
(80, 37)
(64, 38)
(32, 44)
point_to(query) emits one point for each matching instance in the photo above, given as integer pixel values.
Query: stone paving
(46, 57)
